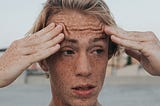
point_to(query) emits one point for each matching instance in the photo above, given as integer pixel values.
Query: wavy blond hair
(96, 8)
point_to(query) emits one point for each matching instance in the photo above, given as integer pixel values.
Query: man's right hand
(22, 53)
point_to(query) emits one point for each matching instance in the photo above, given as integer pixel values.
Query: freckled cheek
(99, 66)
(63, 70)
(98, 62)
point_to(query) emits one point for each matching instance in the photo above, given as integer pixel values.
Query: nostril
(83, 70)
(83, 67)
(84, 74)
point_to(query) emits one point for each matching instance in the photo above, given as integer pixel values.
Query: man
(75, 48)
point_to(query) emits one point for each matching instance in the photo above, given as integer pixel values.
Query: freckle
(3, 67)
(86, 22)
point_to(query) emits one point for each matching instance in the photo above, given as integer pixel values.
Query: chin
(83, 102)
(83, 97)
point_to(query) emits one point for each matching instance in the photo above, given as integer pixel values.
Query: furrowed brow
(103, 37)
(69, 40)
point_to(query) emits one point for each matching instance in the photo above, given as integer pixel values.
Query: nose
(83, 67)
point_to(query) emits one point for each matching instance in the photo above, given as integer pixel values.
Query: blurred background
(126, 83)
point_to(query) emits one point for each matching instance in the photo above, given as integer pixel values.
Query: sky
(18, 16)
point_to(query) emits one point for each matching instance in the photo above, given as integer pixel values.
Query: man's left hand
(143, 46)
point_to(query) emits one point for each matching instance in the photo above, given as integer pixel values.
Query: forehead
(77, 23)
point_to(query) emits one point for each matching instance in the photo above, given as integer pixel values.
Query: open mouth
(85, 87)
(84, 90)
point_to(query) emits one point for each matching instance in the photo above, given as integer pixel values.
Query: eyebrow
(103, 37)
(74, 41)
(67, 39)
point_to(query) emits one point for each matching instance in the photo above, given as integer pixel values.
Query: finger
(41, 32)
(48, 36)
(52, 42)
(43, 46)
(127, 43)
(44, 53)
(130, 35)
(134, 53)
(45, 30)
(112, 30)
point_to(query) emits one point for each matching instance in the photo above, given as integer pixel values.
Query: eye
(98, 51)
(67, 52)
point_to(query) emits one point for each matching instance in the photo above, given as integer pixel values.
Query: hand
(143, 46)
(22, 53)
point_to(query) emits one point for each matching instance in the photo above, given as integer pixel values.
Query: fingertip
(108, 29)
(52, 24)
(105, 28)
(116, 39)
(58, 46)
(61, 34)
(62, 25)
(113, 37)
(59, 27)
(55, 48)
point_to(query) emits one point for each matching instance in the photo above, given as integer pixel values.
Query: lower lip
(84, 93)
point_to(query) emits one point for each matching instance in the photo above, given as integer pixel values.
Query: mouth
(84, 90)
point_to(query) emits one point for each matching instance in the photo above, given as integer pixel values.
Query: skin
(82, 59)
(143, 46)
(90, 68)
(23, 52)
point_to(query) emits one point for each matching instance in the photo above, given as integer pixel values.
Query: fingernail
(59, 26)
(52, 24)
(61, 35)
(58, 46)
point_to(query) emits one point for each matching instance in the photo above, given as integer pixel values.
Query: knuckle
(15, 43)
(33, 48)
(48, 44)
(150, 32)
(35, 36)
(30, 59)
(151, 35)
(38, 56)
(135, 35)
(140, 43)
(33, 57)
(27, 37)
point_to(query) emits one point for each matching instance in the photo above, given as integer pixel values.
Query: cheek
(61, 69)
(99, 65)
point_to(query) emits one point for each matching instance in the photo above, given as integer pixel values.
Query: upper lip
(83, 87)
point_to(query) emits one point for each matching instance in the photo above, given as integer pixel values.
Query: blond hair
(96, 8)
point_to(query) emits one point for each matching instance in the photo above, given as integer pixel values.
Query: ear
(43, 64)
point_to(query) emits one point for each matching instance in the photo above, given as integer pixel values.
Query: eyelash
(98, 51)
(70, 52)
(67, 52)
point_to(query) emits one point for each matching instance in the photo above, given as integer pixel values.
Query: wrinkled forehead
(77, 22)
